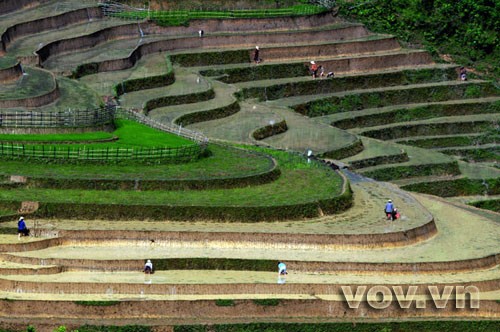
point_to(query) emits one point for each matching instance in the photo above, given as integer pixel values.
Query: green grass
(221, 163)
(91, 136)
(451, 141)
(130, 135)
(300, 182)
(7, 61)
(493, 205)
(182, 17)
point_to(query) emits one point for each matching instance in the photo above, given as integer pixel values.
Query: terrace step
(403, 113)
(71, 96)
(117, 50)
(27, 45)
(464, 124)
(45, 9)
(223, 104)
(29, 91)
(443, 141)
(301, 134)
(356, 227)
(450, 245)
(376, 153)
(378, 61)
(186, 84)
(342, 91)
(242, 284)
(104, 83)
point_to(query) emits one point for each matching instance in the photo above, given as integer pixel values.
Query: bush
(224, 303)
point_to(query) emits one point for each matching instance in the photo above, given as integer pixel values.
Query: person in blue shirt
(282, 268)
(389, 209)
(21, 228)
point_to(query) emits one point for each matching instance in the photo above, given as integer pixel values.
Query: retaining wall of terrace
(73, 44)
(380, 160)
(30, 246)
(262, 265)
(189, 312)
(274, 240)
(48, 23)
(7, 6)
(249, 24)
(17, 286)
(210, 26)
(376, 62)
(427, 129)
(333, 49)
(11, 73)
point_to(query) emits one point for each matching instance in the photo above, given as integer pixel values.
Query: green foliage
(267, 302)
(476, 154)
(418, 113)
(346, 151)
(381, 160)
(338, 84)
(226, 264)
(211, 58)
(30, 328)
(207, 115)
(149, 82)
(429, 129)
(270, 130)
(457, 187)
(178, 100)
(60, 329)
(111, 328)
(85, 69)
(183, 17)
(467, 29)
(224, 303)
(97, 303)
(371, 99)
(255, 73)
(492, 204)
(402, 172)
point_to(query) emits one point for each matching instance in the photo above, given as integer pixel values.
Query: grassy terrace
(7, 61)
(129, 134)
(182, 17)
(310, 182)
(34, 83)
(222, 162)
(73, 96)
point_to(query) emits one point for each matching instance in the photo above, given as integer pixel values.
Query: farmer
(389, 208)
(148, 267)
(313, 69)
(282, 269)
(22, 230)
(256, 57)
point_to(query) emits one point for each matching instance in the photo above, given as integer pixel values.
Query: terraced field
(297, 169)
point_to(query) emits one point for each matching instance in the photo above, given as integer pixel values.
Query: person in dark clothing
(463, 74)
(22, 230)
(256, 55)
